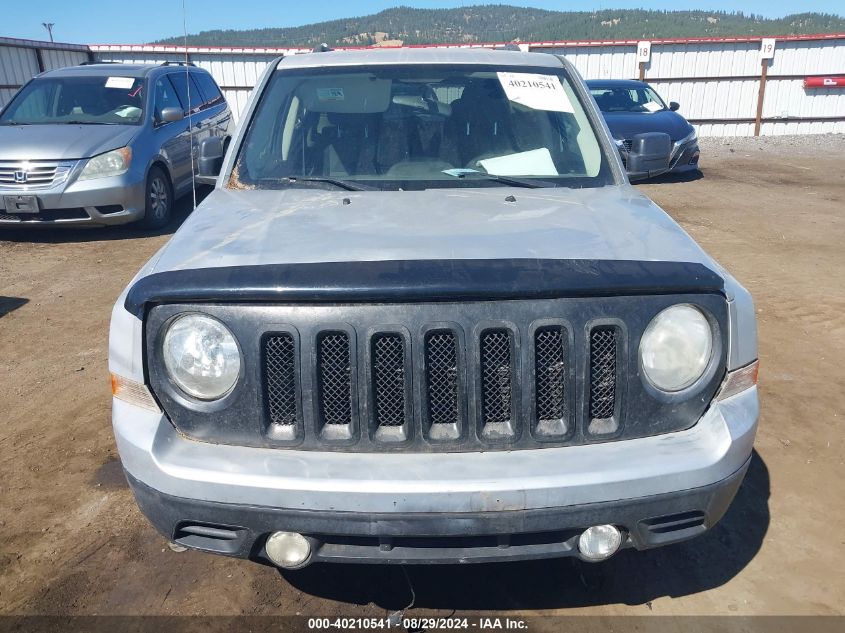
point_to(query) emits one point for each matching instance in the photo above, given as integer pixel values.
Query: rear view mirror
(169, 115)
(212, 150)
(674, 105)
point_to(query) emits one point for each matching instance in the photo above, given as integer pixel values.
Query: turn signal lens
(739, 380)
(134, 393)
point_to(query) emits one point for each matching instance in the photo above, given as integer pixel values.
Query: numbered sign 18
(644, 52)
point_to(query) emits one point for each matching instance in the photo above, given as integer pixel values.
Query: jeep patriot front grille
(392, 391)
(439, 377)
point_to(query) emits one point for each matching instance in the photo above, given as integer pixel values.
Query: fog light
(599, 542)
(288, 549)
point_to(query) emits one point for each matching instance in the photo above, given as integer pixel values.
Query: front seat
(480, 122)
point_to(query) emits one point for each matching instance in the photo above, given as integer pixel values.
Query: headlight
(689, 138)
(675, 348)
(201, 356)
(111, 163)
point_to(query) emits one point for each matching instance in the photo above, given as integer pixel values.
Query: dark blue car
(637, 118)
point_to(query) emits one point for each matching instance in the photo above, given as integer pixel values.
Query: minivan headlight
(676, 347)
(201, 356)
(111, 163)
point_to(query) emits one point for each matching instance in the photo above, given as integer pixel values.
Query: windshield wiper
(505, 180)
(86, 123)
(337, 182)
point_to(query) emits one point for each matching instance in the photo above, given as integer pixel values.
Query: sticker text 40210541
(539, 92)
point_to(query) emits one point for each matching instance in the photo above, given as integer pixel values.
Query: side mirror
(674, 105)
(211, 158)
(170, 115)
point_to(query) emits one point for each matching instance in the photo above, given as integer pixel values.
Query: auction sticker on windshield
(330, 94)
(120, 82)
(539, 92)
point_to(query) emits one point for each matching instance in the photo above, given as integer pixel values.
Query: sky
(90, 22)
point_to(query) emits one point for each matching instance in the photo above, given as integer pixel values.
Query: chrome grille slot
(389, 380)
(334, 372)
(442, 382)
(551, 367)
(603, 379)
(497, 372)
(280, 362)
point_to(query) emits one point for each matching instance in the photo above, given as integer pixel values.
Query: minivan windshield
(420, 126)
(618, 99)
(88, 100)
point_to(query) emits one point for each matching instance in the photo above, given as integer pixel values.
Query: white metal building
(717, 81)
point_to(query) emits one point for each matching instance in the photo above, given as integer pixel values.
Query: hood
(295, 226)
(624, 125)
(61, 142)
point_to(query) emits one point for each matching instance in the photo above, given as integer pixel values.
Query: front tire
(159, 200)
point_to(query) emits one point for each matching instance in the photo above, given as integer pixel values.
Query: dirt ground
(73, 542)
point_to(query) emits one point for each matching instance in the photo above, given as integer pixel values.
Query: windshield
(86, 100)
(414, 127)
(628, 99)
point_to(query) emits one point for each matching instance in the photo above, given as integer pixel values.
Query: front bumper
(97, 202)
(472, 537)
(496, 505)
(684, 158)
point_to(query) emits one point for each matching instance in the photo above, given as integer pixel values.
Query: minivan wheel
(159, 200)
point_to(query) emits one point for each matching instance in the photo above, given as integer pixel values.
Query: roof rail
(178, 63)
(322, 48)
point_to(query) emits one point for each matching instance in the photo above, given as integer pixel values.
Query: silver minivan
(105, 143)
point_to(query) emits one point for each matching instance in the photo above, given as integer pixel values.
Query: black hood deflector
(403, 281)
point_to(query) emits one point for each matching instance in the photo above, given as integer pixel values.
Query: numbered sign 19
(767, 48)
(644, 52)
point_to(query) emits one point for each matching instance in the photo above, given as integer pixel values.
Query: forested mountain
(503, 23)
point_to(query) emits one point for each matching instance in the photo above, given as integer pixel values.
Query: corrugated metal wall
(20, 60)
(17, 65)
(715, 81)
